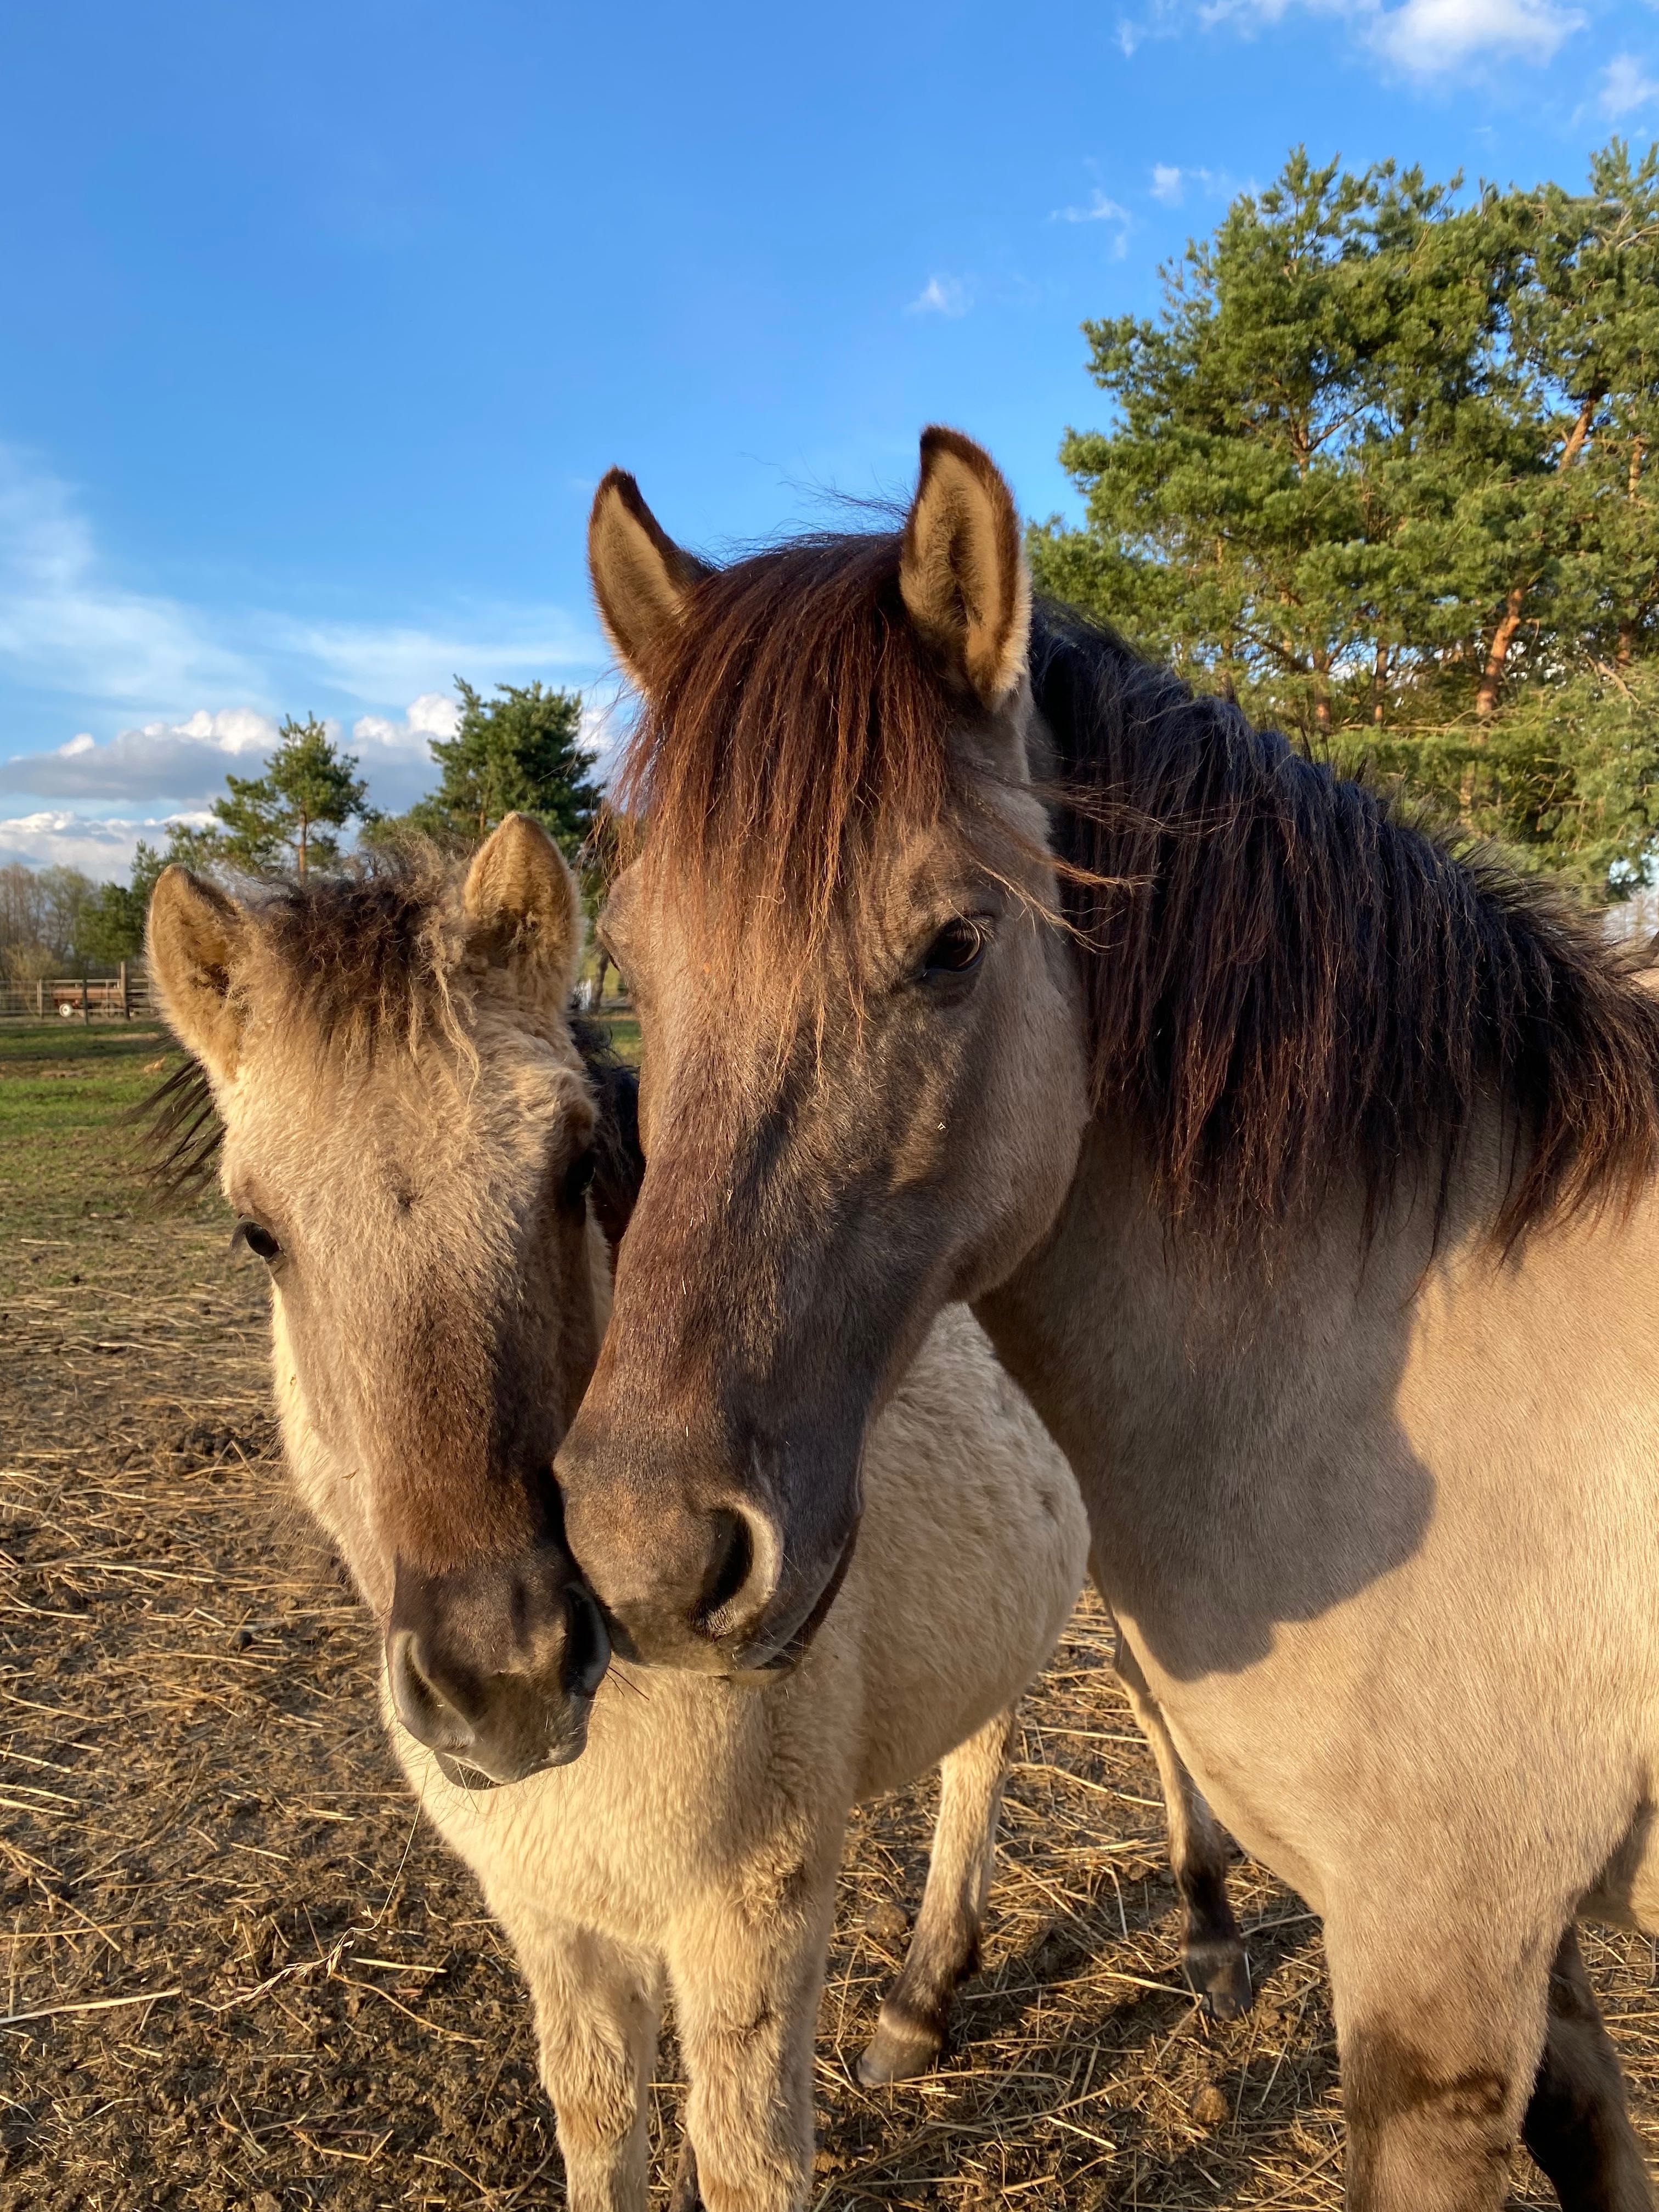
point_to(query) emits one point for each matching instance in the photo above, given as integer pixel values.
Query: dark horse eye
(956, 950)
(578, 1176)
(258, 1240)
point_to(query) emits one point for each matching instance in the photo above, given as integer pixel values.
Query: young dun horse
(1301, 1169)
(409, 1135)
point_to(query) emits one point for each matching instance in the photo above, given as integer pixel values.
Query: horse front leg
(1577, 2126)
(745, 1967)
(915, 2014)
(1212, 1953)
(1441, 2013)
(597, 2007)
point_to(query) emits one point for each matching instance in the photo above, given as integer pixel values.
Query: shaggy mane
(1285, 981)
(365, 957)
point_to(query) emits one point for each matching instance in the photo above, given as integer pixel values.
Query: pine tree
(287, 815)
(1380, 469)
(519, 752)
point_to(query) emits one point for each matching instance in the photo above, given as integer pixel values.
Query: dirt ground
(240, 1972)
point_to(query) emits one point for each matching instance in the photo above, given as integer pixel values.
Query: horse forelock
(365, 959)
(794, 712)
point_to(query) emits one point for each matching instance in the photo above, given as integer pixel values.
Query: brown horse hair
(1285, 979)
(794, 708)
(367, 953)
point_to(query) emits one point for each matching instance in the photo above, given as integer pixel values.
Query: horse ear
(641, 577)
(191, 938)
(524, 907)
(962, 567)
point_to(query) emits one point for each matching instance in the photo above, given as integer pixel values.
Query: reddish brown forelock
(795, 711)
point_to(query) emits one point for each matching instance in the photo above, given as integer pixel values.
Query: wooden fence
(122, 997)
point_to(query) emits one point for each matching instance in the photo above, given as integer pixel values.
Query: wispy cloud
(70, 626)
(1626, 87)
(1171, 183)
(1099, 209)
(376, 664)
(67, 625)
(942, 296)
(1427, 40)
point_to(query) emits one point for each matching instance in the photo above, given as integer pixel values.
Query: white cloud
(1171, 185)
(433, 714)
(70, 626)
(102, 846)
(1426, 38)
(1626, 87)
(178, 761)
(1099, 209)
(1429, 36)
(942, 296)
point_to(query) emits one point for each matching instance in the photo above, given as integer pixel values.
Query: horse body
(1302, 1169)
(1408, 1451)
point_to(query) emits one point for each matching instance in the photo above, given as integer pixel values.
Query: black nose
(495, 1665)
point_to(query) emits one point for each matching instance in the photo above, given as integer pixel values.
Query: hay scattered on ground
(239, 1971)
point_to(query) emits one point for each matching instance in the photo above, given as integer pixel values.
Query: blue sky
(321, 322)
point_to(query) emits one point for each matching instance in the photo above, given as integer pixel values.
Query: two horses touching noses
(418, 1148)
(1299, 1168)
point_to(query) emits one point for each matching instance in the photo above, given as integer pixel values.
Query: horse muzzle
(494, 1666)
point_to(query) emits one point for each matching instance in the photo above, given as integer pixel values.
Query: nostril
(586, 1646)
(734, 1563)
(747, 1558)
(424, 1708)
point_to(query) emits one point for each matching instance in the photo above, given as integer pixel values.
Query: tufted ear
(961, 567)
(524, 909)
(641, 577)
(191, 939)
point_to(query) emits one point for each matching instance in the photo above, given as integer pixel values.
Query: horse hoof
(898, 2051)
(1219, 1973)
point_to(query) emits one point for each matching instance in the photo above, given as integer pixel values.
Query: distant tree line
(1383, 469)
(520, 751)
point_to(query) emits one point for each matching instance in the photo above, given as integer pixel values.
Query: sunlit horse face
(406, 1141)
(854, 1107)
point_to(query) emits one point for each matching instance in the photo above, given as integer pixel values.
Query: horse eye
(956, 950)
(258, 1240)
(578, 1176)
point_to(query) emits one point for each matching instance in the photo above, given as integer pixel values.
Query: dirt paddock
(240, 1972)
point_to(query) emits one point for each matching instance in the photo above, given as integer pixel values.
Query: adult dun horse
(1301, 1171)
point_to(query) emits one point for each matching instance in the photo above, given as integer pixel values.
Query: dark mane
(1306, 983)
(1284, 979)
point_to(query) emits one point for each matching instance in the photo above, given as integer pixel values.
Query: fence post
(86, 1003)
(126, 996)
(40, 998)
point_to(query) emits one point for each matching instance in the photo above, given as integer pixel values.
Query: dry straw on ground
(240, 1970)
